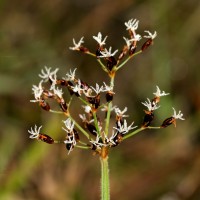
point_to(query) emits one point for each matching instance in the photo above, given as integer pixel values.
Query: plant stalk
(105, 183)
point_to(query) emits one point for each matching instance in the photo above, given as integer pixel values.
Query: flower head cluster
(95, 99)
(109, 55)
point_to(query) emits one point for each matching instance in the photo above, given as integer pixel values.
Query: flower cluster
(95, 99)
(113, 61)
(152, 105)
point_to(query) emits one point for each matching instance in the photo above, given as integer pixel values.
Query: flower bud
(44, 105)
(117, 139)
(148, 118)
(109, 96)
(147, 44)
(111, 62)
(45, 138)
(168, 121)
(91, 128)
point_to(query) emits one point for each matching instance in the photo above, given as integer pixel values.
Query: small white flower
(132, 24)
(69, 125)
(87, 109)
(34, 133)
(71, 75)
(158, 92)
(46, 73)
(77, 88)
(107, 88)
(178, 116)
(120, 113)
(112, 137)
(83, 117)
(77, 45)
(98, 38)
(150, 35)
(130, 41)
(124, 128)
(151, 106)
(98, 89)
(58, 92)
(37, 91)
(97, 142)
(107, 53)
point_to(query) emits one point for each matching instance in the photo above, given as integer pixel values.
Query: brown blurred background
(153, 165)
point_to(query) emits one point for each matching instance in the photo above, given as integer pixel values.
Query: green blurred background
(153, 165)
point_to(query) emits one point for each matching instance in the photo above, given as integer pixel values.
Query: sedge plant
(94, 132)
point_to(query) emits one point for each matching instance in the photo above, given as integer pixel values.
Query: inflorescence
(95, 99)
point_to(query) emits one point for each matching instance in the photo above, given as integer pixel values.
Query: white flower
(158, 92)
(107, 53)
(77, 45)
(132, 24)
(46, 74)
(69, 125)
(107, 88)
(151, 106)
(87, 109)
(37, 91)
(71, 75)
(77, 88)
(120, 113)
(130, 41)
(34, 133)
(178, 116)
(112, 137)
(124, 128)
(58, 92)
(98, 38)
(98, 89)
(83, 117)
(98, 143)
(150, 35)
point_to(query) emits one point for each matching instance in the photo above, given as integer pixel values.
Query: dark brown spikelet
(168, 121)
(95, 101)
(98, 52)
(117, 139)
(63, 106)
(111, 62)
(83, 49)
(132, 50)
(148, 118)
(109, 96)
(92, 129)
(62, 82)
(45, 138)
(44, 105)
(147, 44)
(77, 138)
(69, 146)
(69, 86)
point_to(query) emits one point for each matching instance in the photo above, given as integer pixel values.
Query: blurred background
(153, 165)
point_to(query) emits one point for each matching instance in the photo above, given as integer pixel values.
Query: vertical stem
(105, 183)
(109, 108)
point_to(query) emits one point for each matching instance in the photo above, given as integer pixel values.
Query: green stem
(125, 61)
(109, 109)
(105, 184)
(102, 65)
(138, 130)
(96, 123)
